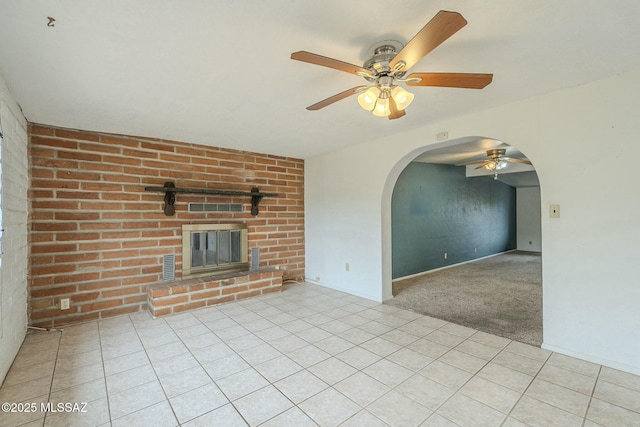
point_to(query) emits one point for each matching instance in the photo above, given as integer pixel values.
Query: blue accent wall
(437, 209)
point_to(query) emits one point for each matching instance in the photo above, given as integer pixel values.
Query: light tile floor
(305, 357)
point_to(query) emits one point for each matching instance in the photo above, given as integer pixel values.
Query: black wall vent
(215, 207)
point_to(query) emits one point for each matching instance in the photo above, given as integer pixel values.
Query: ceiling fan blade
(461, 80)
(335, 98)
(441, 27)
(526, 162)
(313, 58)
(395, 113)
(473, 162)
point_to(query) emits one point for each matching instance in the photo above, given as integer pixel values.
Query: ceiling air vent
(215, 207)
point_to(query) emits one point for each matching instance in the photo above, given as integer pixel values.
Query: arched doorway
(464, 246)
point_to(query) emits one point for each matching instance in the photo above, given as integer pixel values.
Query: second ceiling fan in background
(387, 67)
(495, 161)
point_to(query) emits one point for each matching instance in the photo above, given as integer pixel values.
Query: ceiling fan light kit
(387, 66)
(382, 108)
(493, 165)
(376, 98)
(402, 97)
(368, 98)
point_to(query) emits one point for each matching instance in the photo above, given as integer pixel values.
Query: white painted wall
(13, 272)
(591, 288)
(528, 225)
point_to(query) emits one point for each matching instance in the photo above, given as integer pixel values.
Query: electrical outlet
(445, 255)
(346, 267)
(442, 136)
(554, 211)
(64, 303)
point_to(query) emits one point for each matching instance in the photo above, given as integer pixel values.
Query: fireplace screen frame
(188, 230)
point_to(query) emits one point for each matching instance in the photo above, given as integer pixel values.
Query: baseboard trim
(593, 359)
(345, 290)
(422, 273)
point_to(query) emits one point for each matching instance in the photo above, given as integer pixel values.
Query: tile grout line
(237, 354)
(417, 372)
(524, 392)
(361, 370)
(358, 370)
(330, 386)
(135, 328)
(593, 390)
(474, 375)
(438, 358)
(104, 371)
(135, 331)
(305, 368)
(617, 385)
(53, 373)
(211, 378)
(393, 389)
(467, 381)
(572, 390)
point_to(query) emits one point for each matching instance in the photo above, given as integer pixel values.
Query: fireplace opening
(209, 249)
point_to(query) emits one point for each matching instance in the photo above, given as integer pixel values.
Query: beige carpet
(501, 295)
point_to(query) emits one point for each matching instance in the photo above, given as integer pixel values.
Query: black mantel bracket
(170, 191)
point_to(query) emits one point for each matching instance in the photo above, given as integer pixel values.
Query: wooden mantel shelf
(170, 191)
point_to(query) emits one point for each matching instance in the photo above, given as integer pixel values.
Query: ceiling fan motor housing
(379, 62)
(496, 153)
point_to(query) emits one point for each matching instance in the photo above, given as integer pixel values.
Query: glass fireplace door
(215, 250)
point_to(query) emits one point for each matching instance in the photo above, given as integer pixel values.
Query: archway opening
(465, 241)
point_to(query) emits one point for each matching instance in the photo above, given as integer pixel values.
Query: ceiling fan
(389, 64)
(496, 160)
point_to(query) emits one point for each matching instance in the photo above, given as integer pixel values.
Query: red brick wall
(98, 238)
(174, 297)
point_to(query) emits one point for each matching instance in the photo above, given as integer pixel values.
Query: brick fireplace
(174, 297)
(99, 239)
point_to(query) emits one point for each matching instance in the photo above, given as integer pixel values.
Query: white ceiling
(515, 174)
(468, 151)
(218, 72)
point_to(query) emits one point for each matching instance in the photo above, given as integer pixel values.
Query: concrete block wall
(98, 238)
(13, 269)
